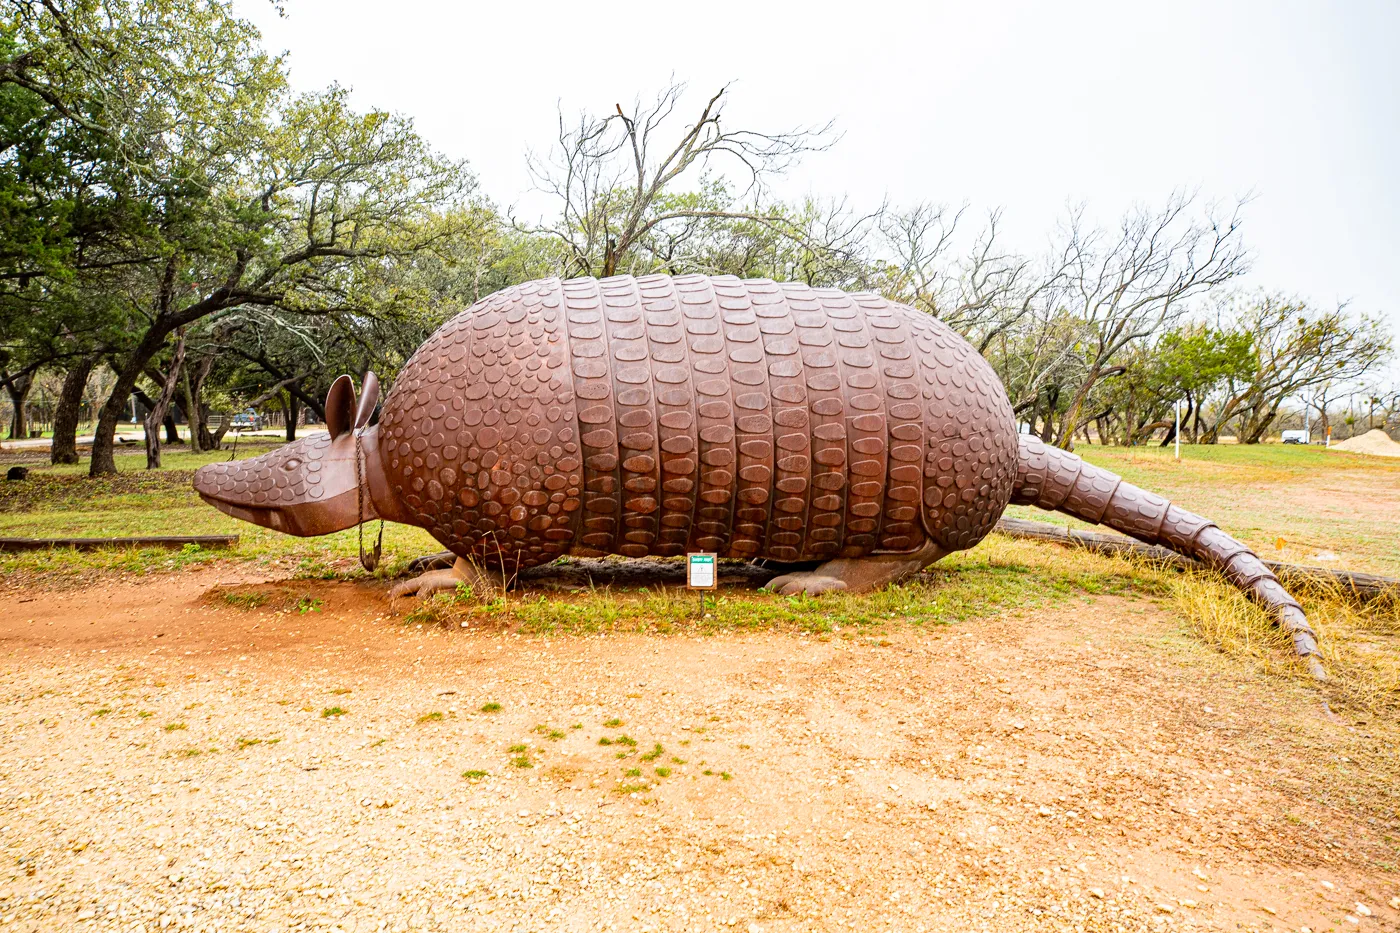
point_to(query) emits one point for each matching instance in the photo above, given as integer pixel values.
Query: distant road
(136, 437)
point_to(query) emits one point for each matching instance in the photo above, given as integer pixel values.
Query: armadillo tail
(1058, 481)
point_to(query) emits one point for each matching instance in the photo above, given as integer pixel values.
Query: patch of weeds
(307, 604)
(622, 754)
(475, 774)
(707, 772)
(726, 776)
(245, 599)
(377, 743)
(625, 740)
(518, 748)
(145, 714)
(631, 788)
(175, 726)
(330, 711)
(633, 772)
(677, 761)
(604, 740)
(521, 761)
(612, 723)
(555, 735)
(340, 691)
(430, 717)
(101, 712)
(577, 725)
(312, 569)
(663, 771)
(656, 752)
(492, 707)
(247, 743)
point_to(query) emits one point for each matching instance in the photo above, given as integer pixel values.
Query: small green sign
(700, 571)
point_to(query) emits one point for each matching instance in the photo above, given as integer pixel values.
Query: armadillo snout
(304, 488)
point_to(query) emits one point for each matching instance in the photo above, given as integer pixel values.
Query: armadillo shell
(661, 415)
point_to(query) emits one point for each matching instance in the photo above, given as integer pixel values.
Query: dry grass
(1360, 643)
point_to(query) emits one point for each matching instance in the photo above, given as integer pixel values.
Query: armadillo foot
(808, 581)
(481, 581)
(857, 574)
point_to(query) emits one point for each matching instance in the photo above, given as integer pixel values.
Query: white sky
(1023, 106)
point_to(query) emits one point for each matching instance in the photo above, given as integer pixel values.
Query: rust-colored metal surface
(659, 415)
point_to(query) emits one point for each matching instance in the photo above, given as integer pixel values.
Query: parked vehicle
(1296, 437)
(247, 421)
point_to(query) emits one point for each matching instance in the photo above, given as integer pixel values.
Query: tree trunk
(156, 416)
(191, 412)
(70, 405)
(128, 372)
(291, 409)
(172, 430)
(18, 387)
(199, 412)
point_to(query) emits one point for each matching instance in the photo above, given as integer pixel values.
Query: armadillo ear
(340, 406)
(369, 397)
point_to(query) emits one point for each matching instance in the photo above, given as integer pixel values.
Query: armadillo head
(310, 486)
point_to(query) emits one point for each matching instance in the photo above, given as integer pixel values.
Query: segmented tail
(1057, 480)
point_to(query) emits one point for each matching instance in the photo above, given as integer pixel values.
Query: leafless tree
(615, 175)
(1300, 351)
(982, 293)
(1126, 284)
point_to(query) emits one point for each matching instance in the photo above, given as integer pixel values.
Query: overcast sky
(1023, 106)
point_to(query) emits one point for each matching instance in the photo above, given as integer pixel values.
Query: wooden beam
(89, 544)
(1363, 586)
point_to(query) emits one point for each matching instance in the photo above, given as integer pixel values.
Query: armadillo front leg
(1057, 480)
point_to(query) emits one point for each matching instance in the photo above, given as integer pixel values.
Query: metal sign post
(1178, 429)
(701, 573)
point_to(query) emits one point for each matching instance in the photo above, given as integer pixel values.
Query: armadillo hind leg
(1059, 481)
(857, 574)
(480, 579)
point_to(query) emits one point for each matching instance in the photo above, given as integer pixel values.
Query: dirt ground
(170, 761)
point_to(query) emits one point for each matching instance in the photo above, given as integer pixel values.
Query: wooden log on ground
(1363, 586)
(90, 544)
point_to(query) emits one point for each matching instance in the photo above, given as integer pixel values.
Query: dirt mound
(1375, 442)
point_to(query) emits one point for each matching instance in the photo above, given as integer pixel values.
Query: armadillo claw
(790, 584)
(426, 584)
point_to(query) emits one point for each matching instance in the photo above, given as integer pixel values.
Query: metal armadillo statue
(661, 415)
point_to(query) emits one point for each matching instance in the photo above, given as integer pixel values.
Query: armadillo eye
(291, 464)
